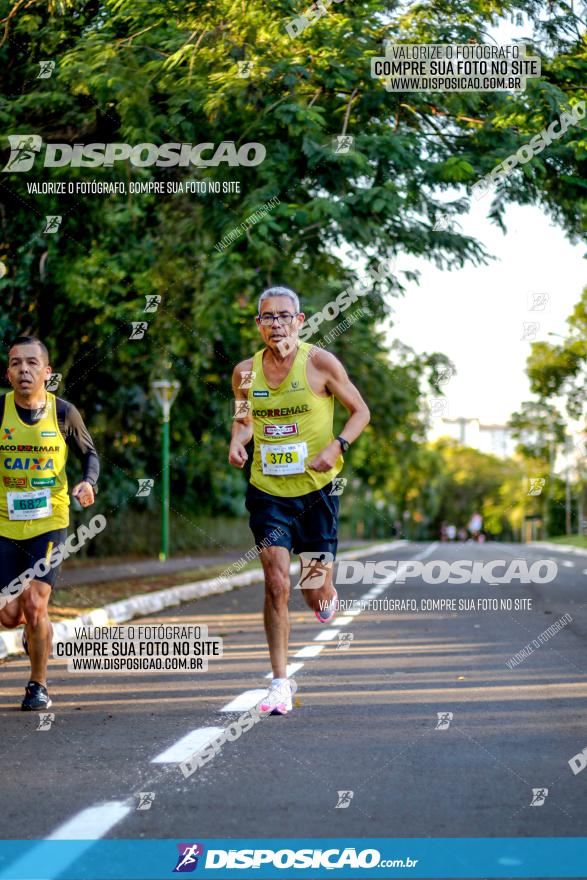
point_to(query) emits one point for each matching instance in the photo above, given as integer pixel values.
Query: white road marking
(326, 635)
(341, 621)
(310, 651)
(244, 701)
(585, 571)
(93, 822)
(567, 564)
(89, 825)
(187, 745)
(291, 669)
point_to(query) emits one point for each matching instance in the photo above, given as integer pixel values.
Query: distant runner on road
(285, 402)
(36, 430)
(475, 525)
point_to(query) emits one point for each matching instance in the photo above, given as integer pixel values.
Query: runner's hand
(326, 458)
(237, 455)
(84, 493)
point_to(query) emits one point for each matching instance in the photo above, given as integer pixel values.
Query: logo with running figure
(23, 150)
(52, 383)
(46, 69)
(146, 799)
(314, 568)
(444, 719)
(187, 861)
(46, 719)
(52, 222)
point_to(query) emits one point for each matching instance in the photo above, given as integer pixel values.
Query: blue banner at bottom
(312, 858)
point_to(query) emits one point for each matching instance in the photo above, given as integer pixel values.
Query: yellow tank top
(291, 423)
(33, 482)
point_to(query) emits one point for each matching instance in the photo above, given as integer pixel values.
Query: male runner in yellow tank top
(285, 403)
(36, 430)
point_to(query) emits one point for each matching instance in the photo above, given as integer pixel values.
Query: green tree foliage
(151, 72)
(469, 480)
(560, 370)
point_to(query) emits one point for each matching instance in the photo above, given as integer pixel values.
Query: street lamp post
(568, 447)
(165, 393)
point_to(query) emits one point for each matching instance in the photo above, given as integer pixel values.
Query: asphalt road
(366, 722)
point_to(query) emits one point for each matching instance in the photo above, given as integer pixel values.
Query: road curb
(562, 548)
(149, 603)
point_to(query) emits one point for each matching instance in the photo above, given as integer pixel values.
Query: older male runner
(36, 429)
(285, 402)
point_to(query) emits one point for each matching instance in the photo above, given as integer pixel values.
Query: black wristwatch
(344, 444)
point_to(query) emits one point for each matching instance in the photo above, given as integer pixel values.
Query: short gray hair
(279, 291)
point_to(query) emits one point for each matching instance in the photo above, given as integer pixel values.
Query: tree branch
(10, 15)
(318, 91)
(348, 112)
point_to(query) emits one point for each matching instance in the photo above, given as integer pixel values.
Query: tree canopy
(157, 73)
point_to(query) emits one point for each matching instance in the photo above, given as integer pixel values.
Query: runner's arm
(79, 440)
(242, 427)
(340, 386)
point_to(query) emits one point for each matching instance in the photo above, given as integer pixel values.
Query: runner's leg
(316, 530)
(316, 598)
(12, 563)
(276, 561)
(11, 615)
(35, 602)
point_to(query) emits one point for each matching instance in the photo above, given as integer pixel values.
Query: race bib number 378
(283, 458)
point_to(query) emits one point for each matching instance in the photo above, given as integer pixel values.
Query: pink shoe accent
(280, 709)
(325, 616)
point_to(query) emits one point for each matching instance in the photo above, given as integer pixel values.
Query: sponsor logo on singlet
(260, 394)
(4, 447)
(14, 482)
(42, 482)
(25, 464)
(284, 411)
(280, 430)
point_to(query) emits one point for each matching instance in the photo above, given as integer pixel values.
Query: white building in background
(493, 439)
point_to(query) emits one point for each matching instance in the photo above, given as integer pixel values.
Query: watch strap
(344, 444)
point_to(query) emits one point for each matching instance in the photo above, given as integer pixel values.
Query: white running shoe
(278, 699)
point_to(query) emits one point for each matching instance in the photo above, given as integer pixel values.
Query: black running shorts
(305, 523)
(16, 556)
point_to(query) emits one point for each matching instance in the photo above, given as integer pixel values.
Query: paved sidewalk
(560, 548)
